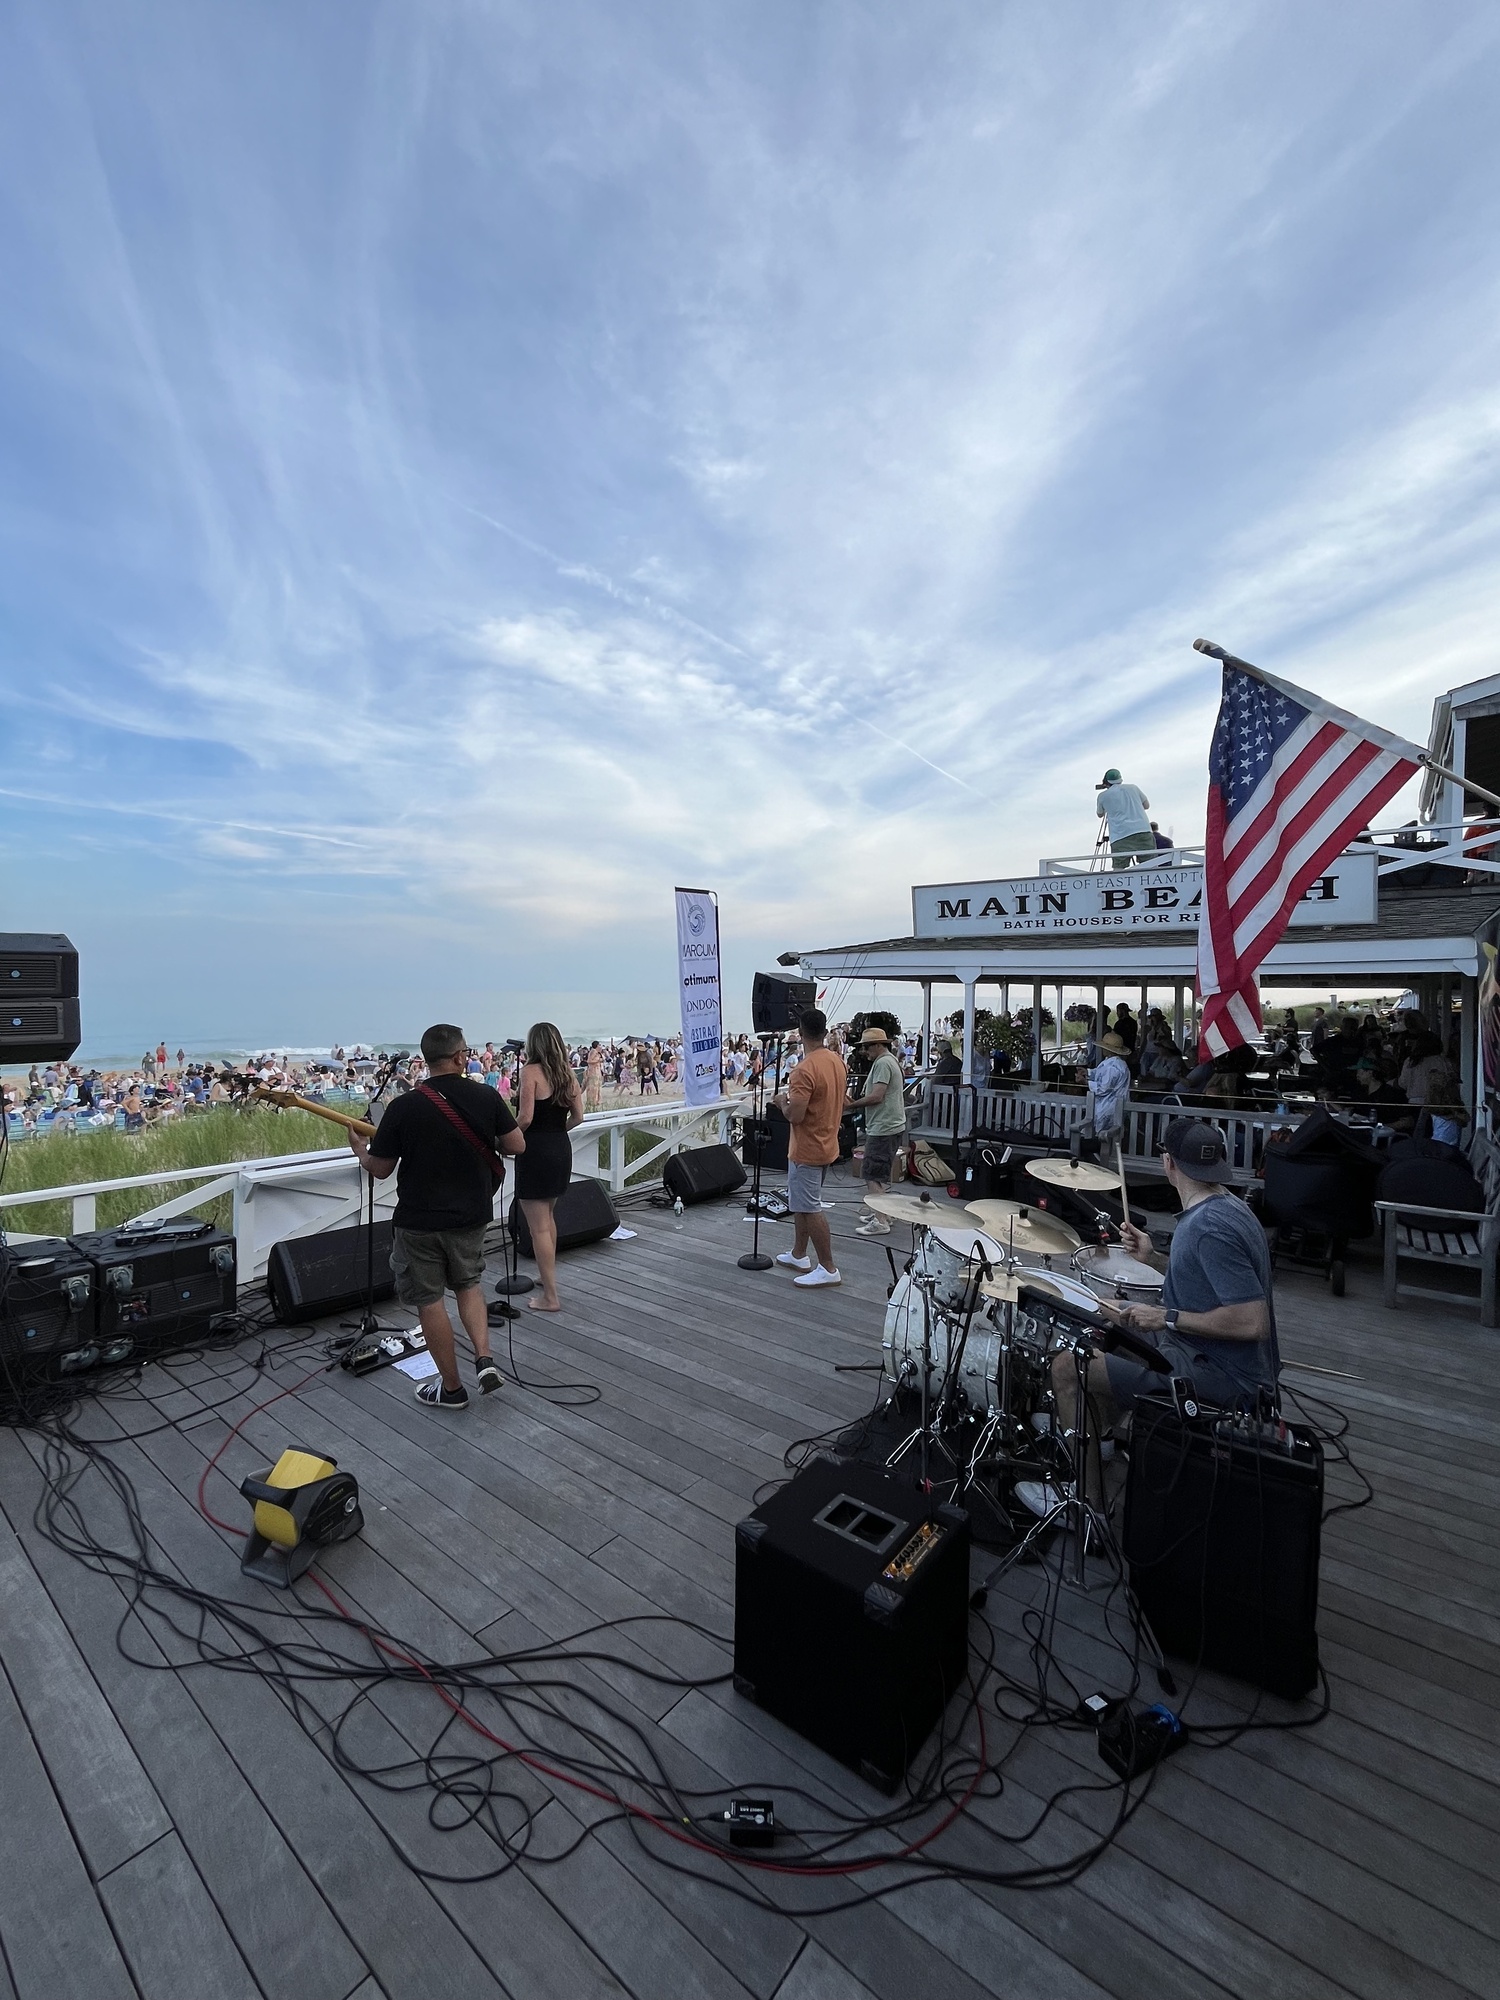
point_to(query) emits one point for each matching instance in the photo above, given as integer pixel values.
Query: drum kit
(982, 1311)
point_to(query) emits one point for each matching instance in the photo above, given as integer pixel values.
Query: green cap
(1111, 776)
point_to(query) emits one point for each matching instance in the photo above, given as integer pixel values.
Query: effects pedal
(1133, 1741)
(751, 1822)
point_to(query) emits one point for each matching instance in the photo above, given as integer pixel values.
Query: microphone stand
(512, 1282)
(755, 1259)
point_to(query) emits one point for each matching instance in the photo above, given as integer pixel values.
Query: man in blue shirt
(1216, 1323)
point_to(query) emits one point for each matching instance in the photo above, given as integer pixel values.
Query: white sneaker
(829, 1204)
(796, 1263)
(1035, 1494)
(818, 1276)
(874, 1225)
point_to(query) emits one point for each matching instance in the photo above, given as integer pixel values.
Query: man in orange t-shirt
(813, 1102)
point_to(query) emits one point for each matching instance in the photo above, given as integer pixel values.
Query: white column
(970, 1053)
(1177, 1012)
(927, 1022)
(1036, 1031)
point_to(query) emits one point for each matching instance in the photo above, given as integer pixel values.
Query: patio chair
(1455, 1237)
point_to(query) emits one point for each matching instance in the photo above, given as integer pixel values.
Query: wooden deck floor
(177, 1833)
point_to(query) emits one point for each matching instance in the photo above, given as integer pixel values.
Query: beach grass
(204, 1139)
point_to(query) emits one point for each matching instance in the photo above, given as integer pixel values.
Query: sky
(466, 469)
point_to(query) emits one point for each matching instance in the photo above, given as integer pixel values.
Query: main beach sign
(1135, 899)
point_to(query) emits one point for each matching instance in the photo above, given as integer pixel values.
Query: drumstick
(1124, 1191)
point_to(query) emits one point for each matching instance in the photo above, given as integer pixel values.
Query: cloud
(478, 468)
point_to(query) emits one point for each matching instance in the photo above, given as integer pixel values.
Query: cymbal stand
(927, 1432)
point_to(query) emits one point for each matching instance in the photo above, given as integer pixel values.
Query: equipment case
(160, 1286)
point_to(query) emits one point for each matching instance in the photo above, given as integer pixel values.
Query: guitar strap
(461, 1124)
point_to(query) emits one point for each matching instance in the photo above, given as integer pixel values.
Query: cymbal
(1006, 1285)
(910, 1207)
(1028, 1228)
(1072, 1173)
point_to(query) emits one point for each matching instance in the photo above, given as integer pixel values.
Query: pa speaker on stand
(777, 999)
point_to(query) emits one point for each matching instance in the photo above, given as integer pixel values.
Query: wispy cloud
(479, 466)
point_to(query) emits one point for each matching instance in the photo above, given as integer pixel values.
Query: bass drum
(902, 1344)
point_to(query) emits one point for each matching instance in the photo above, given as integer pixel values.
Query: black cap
(1198, 1149)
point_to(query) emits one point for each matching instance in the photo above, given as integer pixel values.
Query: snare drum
(1111, 1273)
(950, 1257)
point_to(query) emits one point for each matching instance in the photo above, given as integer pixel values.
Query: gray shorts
(804, 1188)
(880, 1154)
(428, 1262)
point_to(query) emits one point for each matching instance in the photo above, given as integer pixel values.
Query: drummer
(1216, 1323)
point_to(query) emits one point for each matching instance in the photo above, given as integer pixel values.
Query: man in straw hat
(1124, 809)
(883, 1102)
(1109, 1086)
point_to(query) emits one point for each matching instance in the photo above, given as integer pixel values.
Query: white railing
(1048, 1118)
(1472, 846)
(303, 1194)
(1102, 859)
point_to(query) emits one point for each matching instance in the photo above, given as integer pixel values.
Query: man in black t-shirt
(446, 1136)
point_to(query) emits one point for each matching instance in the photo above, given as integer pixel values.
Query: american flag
(1291, 780)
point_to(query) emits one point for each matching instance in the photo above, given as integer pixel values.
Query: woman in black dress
(550, 1105)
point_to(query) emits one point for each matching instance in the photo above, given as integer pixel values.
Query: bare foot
(541, 1306)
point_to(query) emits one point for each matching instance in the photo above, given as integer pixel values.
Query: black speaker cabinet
(704, 1173)
(584, 1214)
(159, 1286)
(38, 997)
(47, 1319)
(1222, 1531)
(983, 1174)
(851, 1613)
(309, 1276)
(772, 1134)
(777, 999)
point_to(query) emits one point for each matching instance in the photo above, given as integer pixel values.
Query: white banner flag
(698, 978)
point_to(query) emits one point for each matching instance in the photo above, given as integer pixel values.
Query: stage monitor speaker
(851, 1613)
(584, 1214)
(47, 1319)
(310, 1276)
(704, 1173)
(1222, 1529)
(772, 1134)
(158, 1286)
(776, 1000)
(38, 997)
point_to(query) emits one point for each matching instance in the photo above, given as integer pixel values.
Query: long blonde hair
(545, 1047)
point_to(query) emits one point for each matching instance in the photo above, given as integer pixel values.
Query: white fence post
(617, 1159)
(85, 1213)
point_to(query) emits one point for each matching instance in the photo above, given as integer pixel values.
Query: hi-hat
(1072, 1173)
(1006, 1285)
(1027, 1228)
(911, 1207)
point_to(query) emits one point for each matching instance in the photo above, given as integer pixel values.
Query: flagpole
(1419, 755)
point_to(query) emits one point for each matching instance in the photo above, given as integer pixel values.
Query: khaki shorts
(428, 1262)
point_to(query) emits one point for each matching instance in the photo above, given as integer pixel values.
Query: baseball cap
(1111, 776)
(1198, 1149)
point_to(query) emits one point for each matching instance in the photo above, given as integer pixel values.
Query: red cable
(672, 1832)
(535, 1763)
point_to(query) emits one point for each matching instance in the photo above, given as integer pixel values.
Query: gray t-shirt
(1219, 1258)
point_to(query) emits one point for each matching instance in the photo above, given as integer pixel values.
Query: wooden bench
(1453, 1237)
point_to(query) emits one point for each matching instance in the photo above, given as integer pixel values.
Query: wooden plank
(280, 1923)
(817, 1976)
(170, 1932)
(58, 1945)
(112, 1808)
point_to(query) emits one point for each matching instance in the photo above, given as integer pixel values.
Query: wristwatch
(1171, 1319)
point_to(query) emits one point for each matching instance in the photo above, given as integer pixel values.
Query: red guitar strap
(461, 1124)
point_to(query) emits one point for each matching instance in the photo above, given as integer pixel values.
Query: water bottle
(677, 1213)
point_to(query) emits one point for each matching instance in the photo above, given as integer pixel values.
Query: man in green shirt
(883, 1102)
